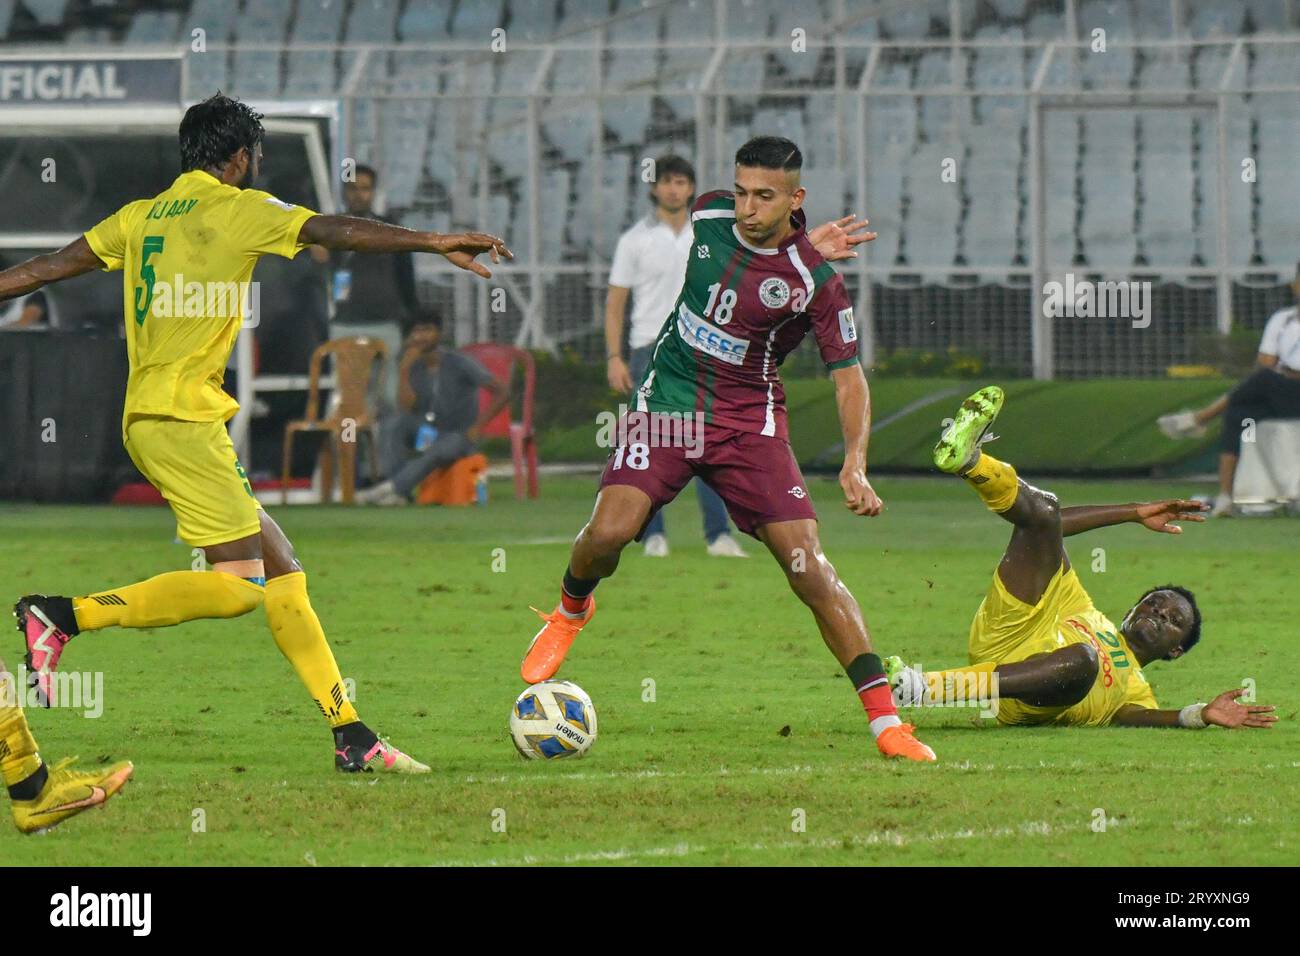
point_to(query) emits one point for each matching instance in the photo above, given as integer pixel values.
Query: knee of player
(244, 594)
(812, 576)
(1045, 508)
(1080, 666)
(608, 535)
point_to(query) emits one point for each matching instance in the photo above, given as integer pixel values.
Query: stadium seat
(627, 116)
(1153, 19)
(1010, 9)
(934, 207)
(1061, 171)
(581, 17)
(1210, 20)
(632, 68)
(1167, 68)
(47, 12)
(369, 21)
(1270, 16)
(473, 21)
(572, 129)
(533, 21)
(992, 184)
(750, 19)
(255, 74)
(311, 73)
(742, 71)
(1046, 24)
(890, 120)
(502, 361)
(827, 194)
(149, 26)
(858, 34)
(808, 17)
(1166, 224)
(1275, 64)
(1113, 16)
(913, 22)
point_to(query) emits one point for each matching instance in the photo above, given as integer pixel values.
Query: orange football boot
(898, 741)
(546, 652)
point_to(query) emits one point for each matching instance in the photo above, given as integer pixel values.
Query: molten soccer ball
(553, 719)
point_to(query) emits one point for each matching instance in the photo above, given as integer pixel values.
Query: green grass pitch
(223, 735)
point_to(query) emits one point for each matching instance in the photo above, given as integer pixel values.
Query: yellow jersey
(1120, 680)
(187, 258)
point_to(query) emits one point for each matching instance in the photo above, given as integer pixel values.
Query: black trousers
(1263, 394)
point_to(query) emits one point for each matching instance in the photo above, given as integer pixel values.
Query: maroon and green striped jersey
(741, 311)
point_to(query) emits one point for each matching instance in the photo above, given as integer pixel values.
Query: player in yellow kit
(186, 256)
(1040, 652)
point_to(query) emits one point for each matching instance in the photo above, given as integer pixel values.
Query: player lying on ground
(208, 230)
(1057, 659)
(755, 286)
(40, 796)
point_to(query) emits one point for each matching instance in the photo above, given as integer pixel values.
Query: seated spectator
(26, 312)
(438, 420)
(1271, 391)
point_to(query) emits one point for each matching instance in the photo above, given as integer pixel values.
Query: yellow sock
(168, 599)
(959, 685)
(301, 640)
(995, 481)
(18, 756)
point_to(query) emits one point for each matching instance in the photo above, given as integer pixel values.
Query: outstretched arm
(370, 235)
(1223, 711)
(1157, 516)
(72, 260)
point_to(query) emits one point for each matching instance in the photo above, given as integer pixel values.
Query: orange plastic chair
(501, 360)
(353, 362)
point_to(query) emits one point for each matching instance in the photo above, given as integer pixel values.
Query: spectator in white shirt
(650, 264)
(1271, 391)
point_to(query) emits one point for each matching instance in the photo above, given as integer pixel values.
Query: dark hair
(770, 152)
(670, 164)
(1194, 632)
(215, 130)
(369, 171)
(431, 316)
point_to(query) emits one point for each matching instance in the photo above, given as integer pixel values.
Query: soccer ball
(553, 719)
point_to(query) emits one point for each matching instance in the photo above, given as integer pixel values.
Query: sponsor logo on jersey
(708, 338)
(848, 331)
(702, 251)
(798, 492)
(774, 292)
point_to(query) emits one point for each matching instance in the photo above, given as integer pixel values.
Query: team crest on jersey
(774, 293)
(702, 251)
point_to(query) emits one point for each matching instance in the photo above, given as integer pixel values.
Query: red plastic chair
(501, 360)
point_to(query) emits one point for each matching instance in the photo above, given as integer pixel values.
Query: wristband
(1191, 717)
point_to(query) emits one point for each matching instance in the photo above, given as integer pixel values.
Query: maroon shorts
(755, 475)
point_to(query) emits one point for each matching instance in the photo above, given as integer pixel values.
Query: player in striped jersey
(755, 286)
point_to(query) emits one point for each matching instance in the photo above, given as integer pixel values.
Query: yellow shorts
(194, 465)
(1006, 630)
